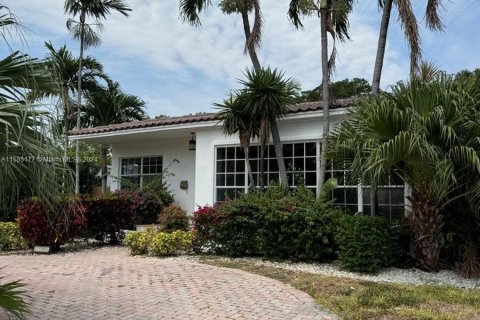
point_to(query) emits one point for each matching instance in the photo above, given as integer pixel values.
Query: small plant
(470, 264)
(13, 299)
(173, 218)
(10, 237)
(204, 220)
(159, 243)
(365, 243)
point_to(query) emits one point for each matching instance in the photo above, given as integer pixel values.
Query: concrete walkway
(109, 284)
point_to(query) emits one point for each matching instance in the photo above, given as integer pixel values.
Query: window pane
(130, 182)
(271, 151)
(272, 165)
(311, 178)
(310, 164)
(299, 150)
(299, 164)
(131, 166)
(253, 152)
(221, 166)
(339, 195)
(351, 195)
(221, 153)
(273, 177)
(230, 166)
(289, 164)
(240, 180)
(230, 182)
(240, 166)
(254, 165)
(231, 153)
(239, 153)
(397, 195)
(311, 149)
(383, 195)
(288, 150)
(220, 179)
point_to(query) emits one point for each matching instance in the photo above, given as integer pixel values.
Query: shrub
(43, 225)
(167, 244)
(144, 206)
(107, 215)
(159, 243)
(137, 242)
(365, 243)
(300, 233)
(205, 220)
(173, 218)
(10, 237)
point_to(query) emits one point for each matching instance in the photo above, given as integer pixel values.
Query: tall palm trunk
(325, 95)
(279, 153)
(256, 65)
(427, 223)
(79, 103)
(66, 123)
(104, 168)
(382, 42)
(377, 75)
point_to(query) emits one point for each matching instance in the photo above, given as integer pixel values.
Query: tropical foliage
(13, 299)
(426, 133)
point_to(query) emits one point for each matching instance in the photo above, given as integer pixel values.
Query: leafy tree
(267, 95)
(236, 120)
(426, 133)
(108, 106)
(339, 90)
(334, 20)
(409, 24)
(87, 36)
(190, 10)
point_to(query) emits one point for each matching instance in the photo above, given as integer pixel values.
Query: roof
(204, 117)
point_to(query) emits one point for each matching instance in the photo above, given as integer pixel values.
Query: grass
(359, 299)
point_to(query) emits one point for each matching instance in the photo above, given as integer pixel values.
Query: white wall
(170, 149)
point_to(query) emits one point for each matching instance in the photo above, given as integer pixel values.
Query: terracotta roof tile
(297, 108)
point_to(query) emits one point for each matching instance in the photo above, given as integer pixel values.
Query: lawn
(359, 299)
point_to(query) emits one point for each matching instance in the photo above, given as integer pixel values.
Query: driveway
(109, 284)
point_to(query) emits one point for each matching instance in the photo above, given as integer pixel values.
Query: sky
(179, 69)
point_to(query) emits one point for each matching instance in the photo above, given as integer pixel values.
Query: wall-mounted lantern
(192, 144)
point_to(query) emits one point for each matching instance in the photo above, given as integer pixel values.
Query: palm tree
(13, 299)
(334, 20)
(267, 96)
(409, 25)
(64, 66)
(87, 36)
(191, 9)
(108, 106)
(236, 120)
(426, 133)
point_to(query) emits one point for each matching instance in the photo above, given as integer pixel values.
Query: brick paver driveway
(110, 284)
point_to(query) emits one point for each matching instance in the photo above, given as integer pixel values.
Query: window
(391, 198)
(232, 177)
(140, 171)
(346, 194)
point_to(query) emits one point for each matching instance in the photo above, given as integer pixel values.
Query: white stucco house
(216, 168)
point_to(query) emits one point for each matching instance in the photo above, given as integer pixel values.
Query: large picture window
(231, 176)
(136, 172)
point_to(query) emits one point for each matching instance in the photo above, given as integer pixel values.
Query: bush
(365, 243)
(10, 237)
(173, 218)
(107, 215)
(43, 225)
(205, 220)
(159, 243)
(144, 206)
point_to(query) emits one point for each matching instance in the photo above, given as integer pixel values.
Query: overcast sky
(178, 69)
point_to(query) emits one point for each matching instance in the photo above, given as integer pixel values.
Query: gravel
(396, 275)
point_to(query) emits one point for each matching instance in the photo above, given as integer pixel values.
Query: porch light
(192, 144)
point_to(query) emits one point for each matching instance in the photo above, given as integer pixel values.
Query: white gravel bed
(396, 275)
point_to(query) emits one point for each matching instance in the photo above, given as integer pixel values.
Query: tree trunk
(261, 178)
(251, 184)
(104, 168)
(426, 223)
(382, 42)
(325, 97)
(246, 28)
(79, 104)
(279, 153)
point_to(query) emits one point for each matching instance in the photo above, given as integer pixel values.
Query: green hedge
(10, 237)
(159, 243)
(365, 243)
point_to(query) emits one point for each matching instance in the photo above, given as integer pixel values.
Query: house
(206, 166)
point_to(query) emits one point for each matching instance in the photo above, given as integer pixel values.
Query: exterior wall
(170, 149)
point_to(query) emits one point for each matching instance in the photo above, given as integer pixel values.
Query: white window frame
(141, 174)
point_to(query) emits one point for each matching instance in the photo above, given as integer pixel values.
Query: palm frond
(191, 9)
